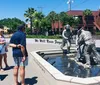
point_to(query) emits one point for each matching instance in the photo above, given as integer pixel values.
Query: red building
(92, 23)
(93, 20)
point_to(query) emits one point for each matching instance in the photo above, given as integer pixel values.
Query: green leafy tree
(52, 17)
(46, 22)
(11, 23)
(38, 20)
(45, 25)
(87, 13)
(30, 15)
(66, 19)
(39, 15)
(63, 18)
(28, 31)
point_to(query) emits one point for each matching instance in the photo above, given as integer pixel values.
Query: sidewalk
(33, 77)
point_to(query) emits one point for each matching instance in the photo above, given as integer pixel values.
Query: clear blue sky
(17, 8)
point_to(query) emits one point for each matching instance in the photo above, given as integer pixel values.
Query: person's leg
(78, 55)
(0, 61)
(5, 59)
(16, 75)
(68, 45)
(23, 64)
(82, 51)
(15, 70)
(87, 55)
(63, 43)
(96, 53)
(1, 69)
(22, 75)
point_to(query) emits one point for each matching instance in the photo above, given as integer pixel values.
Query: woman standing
(3, 49)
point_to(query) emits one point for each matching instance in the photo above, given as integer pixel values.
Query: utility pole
(40, 8)
(69, 4)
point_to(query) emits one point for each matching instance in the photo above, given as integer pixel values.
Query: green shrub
(97, 33)
(42, 36)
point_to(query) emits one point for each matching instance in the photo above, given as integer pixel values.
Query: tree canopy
(87, 12)
(30, 15)
(11, 23)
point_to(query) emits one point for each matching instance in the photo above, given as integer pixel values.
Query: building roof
(75, 12)
(80, 12)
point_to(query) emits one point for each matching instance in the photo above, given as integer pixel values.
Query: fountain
(59, 69)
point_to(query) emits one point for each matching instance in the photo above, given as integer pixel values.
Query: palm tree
(63, 18)
(45, 25)
(87, 13)
(38, 20)
(52, 17)
(39, 15)
(30, 15)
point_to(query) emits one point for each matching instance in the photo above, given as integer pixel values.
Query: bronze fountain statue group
(86, 49)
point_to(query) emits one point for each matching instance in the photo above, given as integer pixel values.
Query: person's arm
(18, 46)
(2, 43)
(23, 50)
(14, 45)
(63, 34)
(81, 39)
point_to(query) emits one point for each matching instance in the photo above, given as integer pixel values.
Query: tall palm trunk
(31, 25)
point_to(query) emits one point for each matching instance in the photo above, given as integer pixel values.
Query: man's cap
(21, 27)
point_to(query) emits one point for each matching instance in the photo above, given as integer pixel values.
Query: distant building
(92, 23)
(57, 26)
(93, 20)
(28, 25)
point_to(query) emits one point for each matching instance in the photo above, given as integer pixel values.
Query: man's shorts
(18, 61)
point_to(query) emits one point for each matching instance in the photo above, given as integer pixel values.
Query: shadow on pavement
(31, 81)
(2, 77)
(8, 68)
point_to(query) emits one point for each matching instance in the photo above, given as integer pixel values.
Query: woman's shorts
(18, 61)
(3, 51)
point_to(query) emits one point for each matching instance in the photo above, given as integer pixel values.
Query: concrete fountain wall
(54, 77)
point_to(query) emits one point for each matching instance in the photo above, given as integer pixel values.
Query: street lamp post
(69, 4)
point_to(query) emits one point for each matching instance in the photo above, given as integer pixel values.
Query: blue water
(71, 68)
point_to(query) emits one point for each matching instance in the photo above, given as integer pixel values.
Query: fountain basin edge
(53, 76)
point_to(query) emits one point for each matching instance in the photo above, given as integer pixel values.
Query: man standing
(18, 44)
(66, 34)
